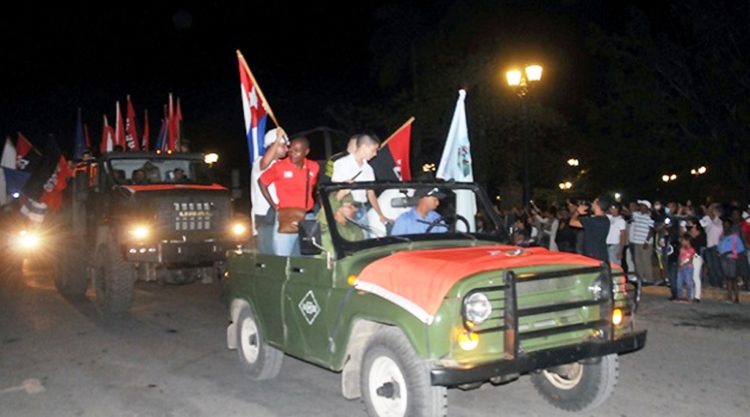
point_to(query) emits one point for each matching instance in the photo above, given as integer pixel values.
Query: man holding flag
(455, 164)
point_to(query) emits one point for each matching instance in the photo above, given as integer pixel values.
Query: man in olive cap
(343, 213)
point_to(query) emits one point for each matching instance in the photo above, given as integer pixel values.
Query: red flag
(119, 128)
(144, 142)
(131, 133)
(108, 138)
(392, 160)
(400, 146)
(178, 126)
(53, 189)
(171, 126)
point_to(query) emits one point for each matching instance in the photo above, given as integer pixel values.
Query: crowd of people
(683, 246)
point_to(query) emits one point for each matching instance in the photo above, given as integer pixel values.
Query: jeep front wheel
(578, 386)
(114, 280)
(260, 360)
(395, 381)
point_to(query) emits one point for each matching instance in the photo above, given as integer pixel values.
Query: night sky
(306, 57)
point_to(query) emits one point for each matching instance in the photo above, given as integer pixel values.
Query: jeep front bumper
(530, 362)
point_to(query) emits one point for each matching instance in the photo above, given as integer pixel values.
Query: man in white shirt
(641, 235)
(714, 228)
(616, 235)
(275, 142)
(355, 168)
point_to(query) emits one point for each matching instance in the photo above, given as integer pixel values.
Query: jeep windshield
(152, 169)
(424, 211)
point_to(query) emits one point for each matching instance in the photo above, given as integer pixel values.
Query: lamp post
(521, 82)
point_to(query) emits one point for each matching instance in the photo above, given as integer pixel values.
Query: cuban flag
(254, 111)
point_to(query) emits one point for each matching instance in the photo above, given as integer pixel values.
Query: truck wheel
(395, 381)
(260, 360)
(69, 272)
(114, 279)
(578, 386)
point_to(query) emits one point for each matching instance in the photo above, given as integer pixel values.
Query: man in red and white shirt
(294, 178)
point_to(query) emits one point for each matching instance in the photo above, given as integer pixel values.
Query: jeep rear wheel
(395, 381)
(578, 386)
(260, 360)
(114, 280)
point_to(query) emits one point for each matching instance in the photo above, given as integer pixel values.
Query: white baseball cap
(270, 137)
(645, 203)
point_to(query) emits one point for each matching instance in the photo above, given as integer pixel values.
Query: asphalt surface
(167, 357)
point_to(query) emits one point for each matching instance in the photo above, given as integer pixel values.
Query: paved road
(168, 358)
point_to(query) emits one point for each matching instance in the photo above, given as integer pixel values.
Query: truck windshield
(159, 171)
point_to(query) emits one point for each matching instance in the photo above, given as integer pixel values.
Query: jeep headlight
(477, 308)
(140, 231)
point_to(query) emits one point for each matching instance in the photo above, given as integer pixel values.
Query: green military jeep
(435, 303)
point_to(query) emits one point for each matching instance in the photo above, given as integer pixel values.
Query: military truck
(404, 317)
(142, 216)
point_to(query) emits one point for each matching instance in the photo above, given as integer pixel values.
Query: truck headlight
(140, 232)
(27, 240)
(239, 229)
(477, 308)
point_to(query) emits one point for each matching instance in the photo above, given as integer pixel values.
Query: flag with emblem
(455, 164)
(253, 109)
(131, 132)
(27, 156)
(119, 128)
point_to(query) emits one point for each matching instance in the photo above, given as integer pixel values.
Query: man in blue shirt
(418, 219)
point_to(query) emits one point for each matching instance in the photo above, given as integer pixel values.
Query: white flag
(9, 155)
(455, 164)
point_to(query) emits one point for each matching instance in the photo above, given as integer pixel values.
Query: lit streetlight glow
(534, 72)
(514, 77)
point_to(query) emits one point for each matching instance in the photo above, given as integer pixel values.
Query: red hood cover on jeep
(419, 280)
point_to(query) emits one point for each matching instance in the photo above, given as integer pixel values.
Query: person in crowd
(595, 227)
(138, 177)
(355, 168)
(419, 218)
(730, 248)
(522, 233)
(547, 223)
(264, 217)
(178, 175)
(641, 234)
(712, 224)
(617, 234)
(685, 272)
(566, 235)
(698, 241)
(743, 268)
(294, 177)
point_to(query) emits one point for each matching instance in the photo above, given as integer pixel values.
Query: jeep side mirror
(309, 237)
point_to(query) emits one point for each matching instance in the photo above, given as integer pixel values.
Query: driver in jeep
(422, 218)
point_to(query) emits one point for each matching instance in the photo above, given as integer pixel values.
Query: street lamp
(521, 81)
(567, 185)
(573, 162)
(699, 171)
(669, 177)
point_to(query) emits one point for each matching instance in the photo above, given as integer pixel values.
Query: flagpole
(385, 142)
(257, 86)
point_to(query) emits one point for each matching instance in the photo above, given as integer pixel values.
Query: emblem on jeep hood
(309, 307)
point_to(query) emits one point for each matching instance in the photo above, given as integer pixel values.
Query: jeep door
(269, 275)
(305, 308)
